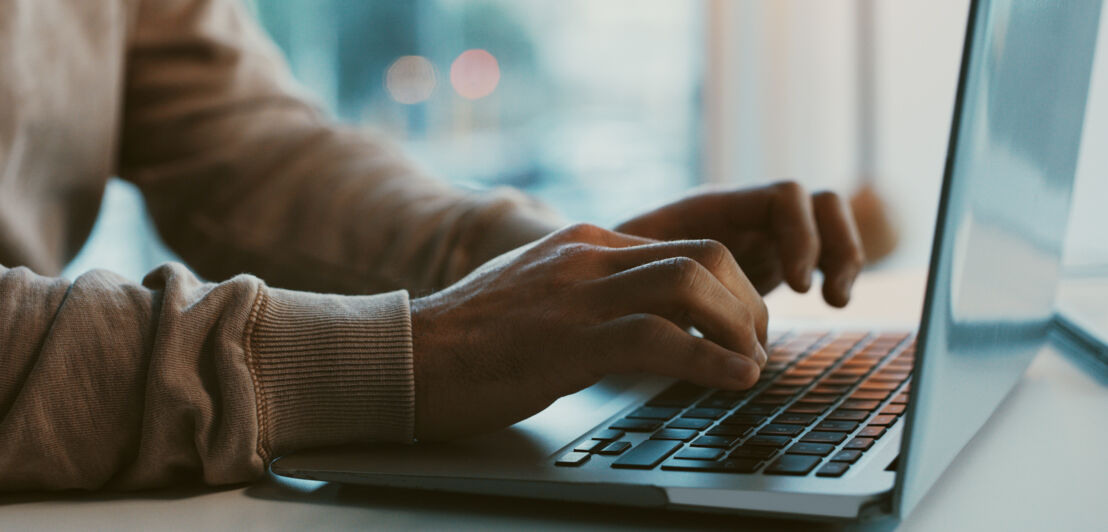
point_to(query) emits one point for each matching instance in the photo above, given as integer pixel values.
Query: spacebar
(647, 455)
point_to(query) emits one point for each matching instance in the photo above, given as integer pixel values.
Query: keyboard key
(608, 435)
(722, 442)
(815, 449)
(859, 444)
(787, 391)
(760, 410)
(721, 403)
(833, 469)
(740, 465)
(775, 429)
(871, 395)
(733, 431)
(674, 434)
(819, 398)
(760, 453)
(872, 431)
(794, 419)
(589, 446)
(883, 420)
(681, 394)
(807, 408)
(795, 381)
(654, 412)
(613, 448)
(793, 464)
(848, 415)
(837, 426)
(636, 425)
(901, 399)
(826, 388)
(853, 404)
(850, 372)
(572, 459)
(770, 400)
(815, 362)
(894, 409)
(800, 372)
(689, 423)
(705, 413)
(768, 441)
(699, 453)
(887, 375)
(878, 385)
(726, 466)
(647, 454)
(691, 465)
(824, 437)
(743, 419)
(847, 456)
(840, 381)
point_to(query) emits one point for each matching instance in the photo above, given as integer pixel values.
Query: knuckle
(761, 316)
(826, 196)
(790, 189)
(856, 258)
(712, 253)
(578, 251)
(682, 271)
(581, 232)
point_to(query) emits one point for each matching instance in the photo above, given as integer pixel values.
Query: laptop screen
(996, 259)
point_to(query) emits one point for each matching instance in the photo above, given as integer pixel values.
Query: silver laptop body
(995, 263)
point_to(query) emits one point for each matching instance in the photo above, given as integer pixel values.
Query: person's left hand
(776, 233)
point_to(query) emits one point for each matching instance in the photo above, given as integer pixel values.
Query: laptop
(842, 425)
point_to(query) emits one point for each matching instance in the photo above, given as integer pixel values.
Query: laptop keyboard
(822, 401)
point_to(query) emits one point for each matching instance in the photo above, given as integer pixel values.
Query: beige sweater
(104, 383)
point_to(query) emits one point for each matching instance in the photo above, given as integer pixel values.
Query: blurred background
(605, 108)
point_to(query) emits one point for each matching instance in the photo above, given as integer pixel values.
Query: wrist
(506, 221)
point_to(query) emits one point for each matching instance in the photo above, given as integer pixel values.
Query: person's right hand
(555, 316)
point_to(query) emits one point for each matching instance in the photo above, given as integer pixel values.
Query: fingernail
(739, 369)
(762, 357)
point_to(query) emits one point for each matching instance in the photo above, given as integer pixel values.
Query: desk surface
(1037, 465)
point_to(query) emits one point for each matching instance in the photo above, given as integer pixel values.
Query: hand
(776, 233)
(553, 317)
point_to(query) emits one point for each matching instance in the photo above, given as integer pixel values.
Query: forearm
(108, 384)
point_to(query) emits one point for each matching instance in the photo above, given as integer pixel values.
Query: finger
(784, 211)
(685, 292)
(714, 256)
(592, 234)
(711, 254)
(841, 255)
(652, 344)
(760, 262)
(793, 225)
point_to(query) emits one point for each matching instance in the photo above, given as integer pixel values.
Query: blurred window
(590, 105)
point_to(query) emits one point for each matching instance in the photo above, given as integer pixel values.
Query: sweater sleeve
(108, 384)
(243, 175)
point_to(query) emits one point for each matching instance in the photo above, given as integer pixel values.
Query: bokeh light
(475, 74)
(410, 79)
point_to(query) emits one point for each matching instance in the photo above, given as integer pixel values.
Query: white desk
(1039, 464)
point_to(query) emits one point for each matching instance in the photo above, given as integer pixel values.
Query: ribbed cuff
(330, 370)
